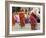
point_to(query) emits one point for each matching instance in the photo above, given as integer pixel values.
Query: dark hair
(15, 9)
(30, 9)
(25, 10)
(39, 12)
(18, 9)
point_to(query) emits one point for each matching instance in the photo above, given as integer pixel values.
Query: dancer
(33, 20)
(13, 18)
(22, 17)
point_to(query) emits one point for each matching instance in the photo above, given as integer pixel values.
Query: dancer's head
(33, 11)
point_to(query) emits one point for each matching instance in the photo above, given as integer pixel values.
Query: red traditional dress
(33, 21)
(22, 19)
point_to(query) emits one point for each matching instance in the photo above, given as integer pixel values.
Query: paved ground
(26, 28)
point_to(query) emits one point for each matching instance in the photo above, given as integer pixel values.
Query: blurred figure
(38, 15)
(13, 20)
(17, 18)
(22, 17)
(14, 13)
(33, 20)
(26, 16)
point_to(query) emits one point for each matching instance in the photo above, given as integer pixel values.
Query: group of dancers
(23, 18)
